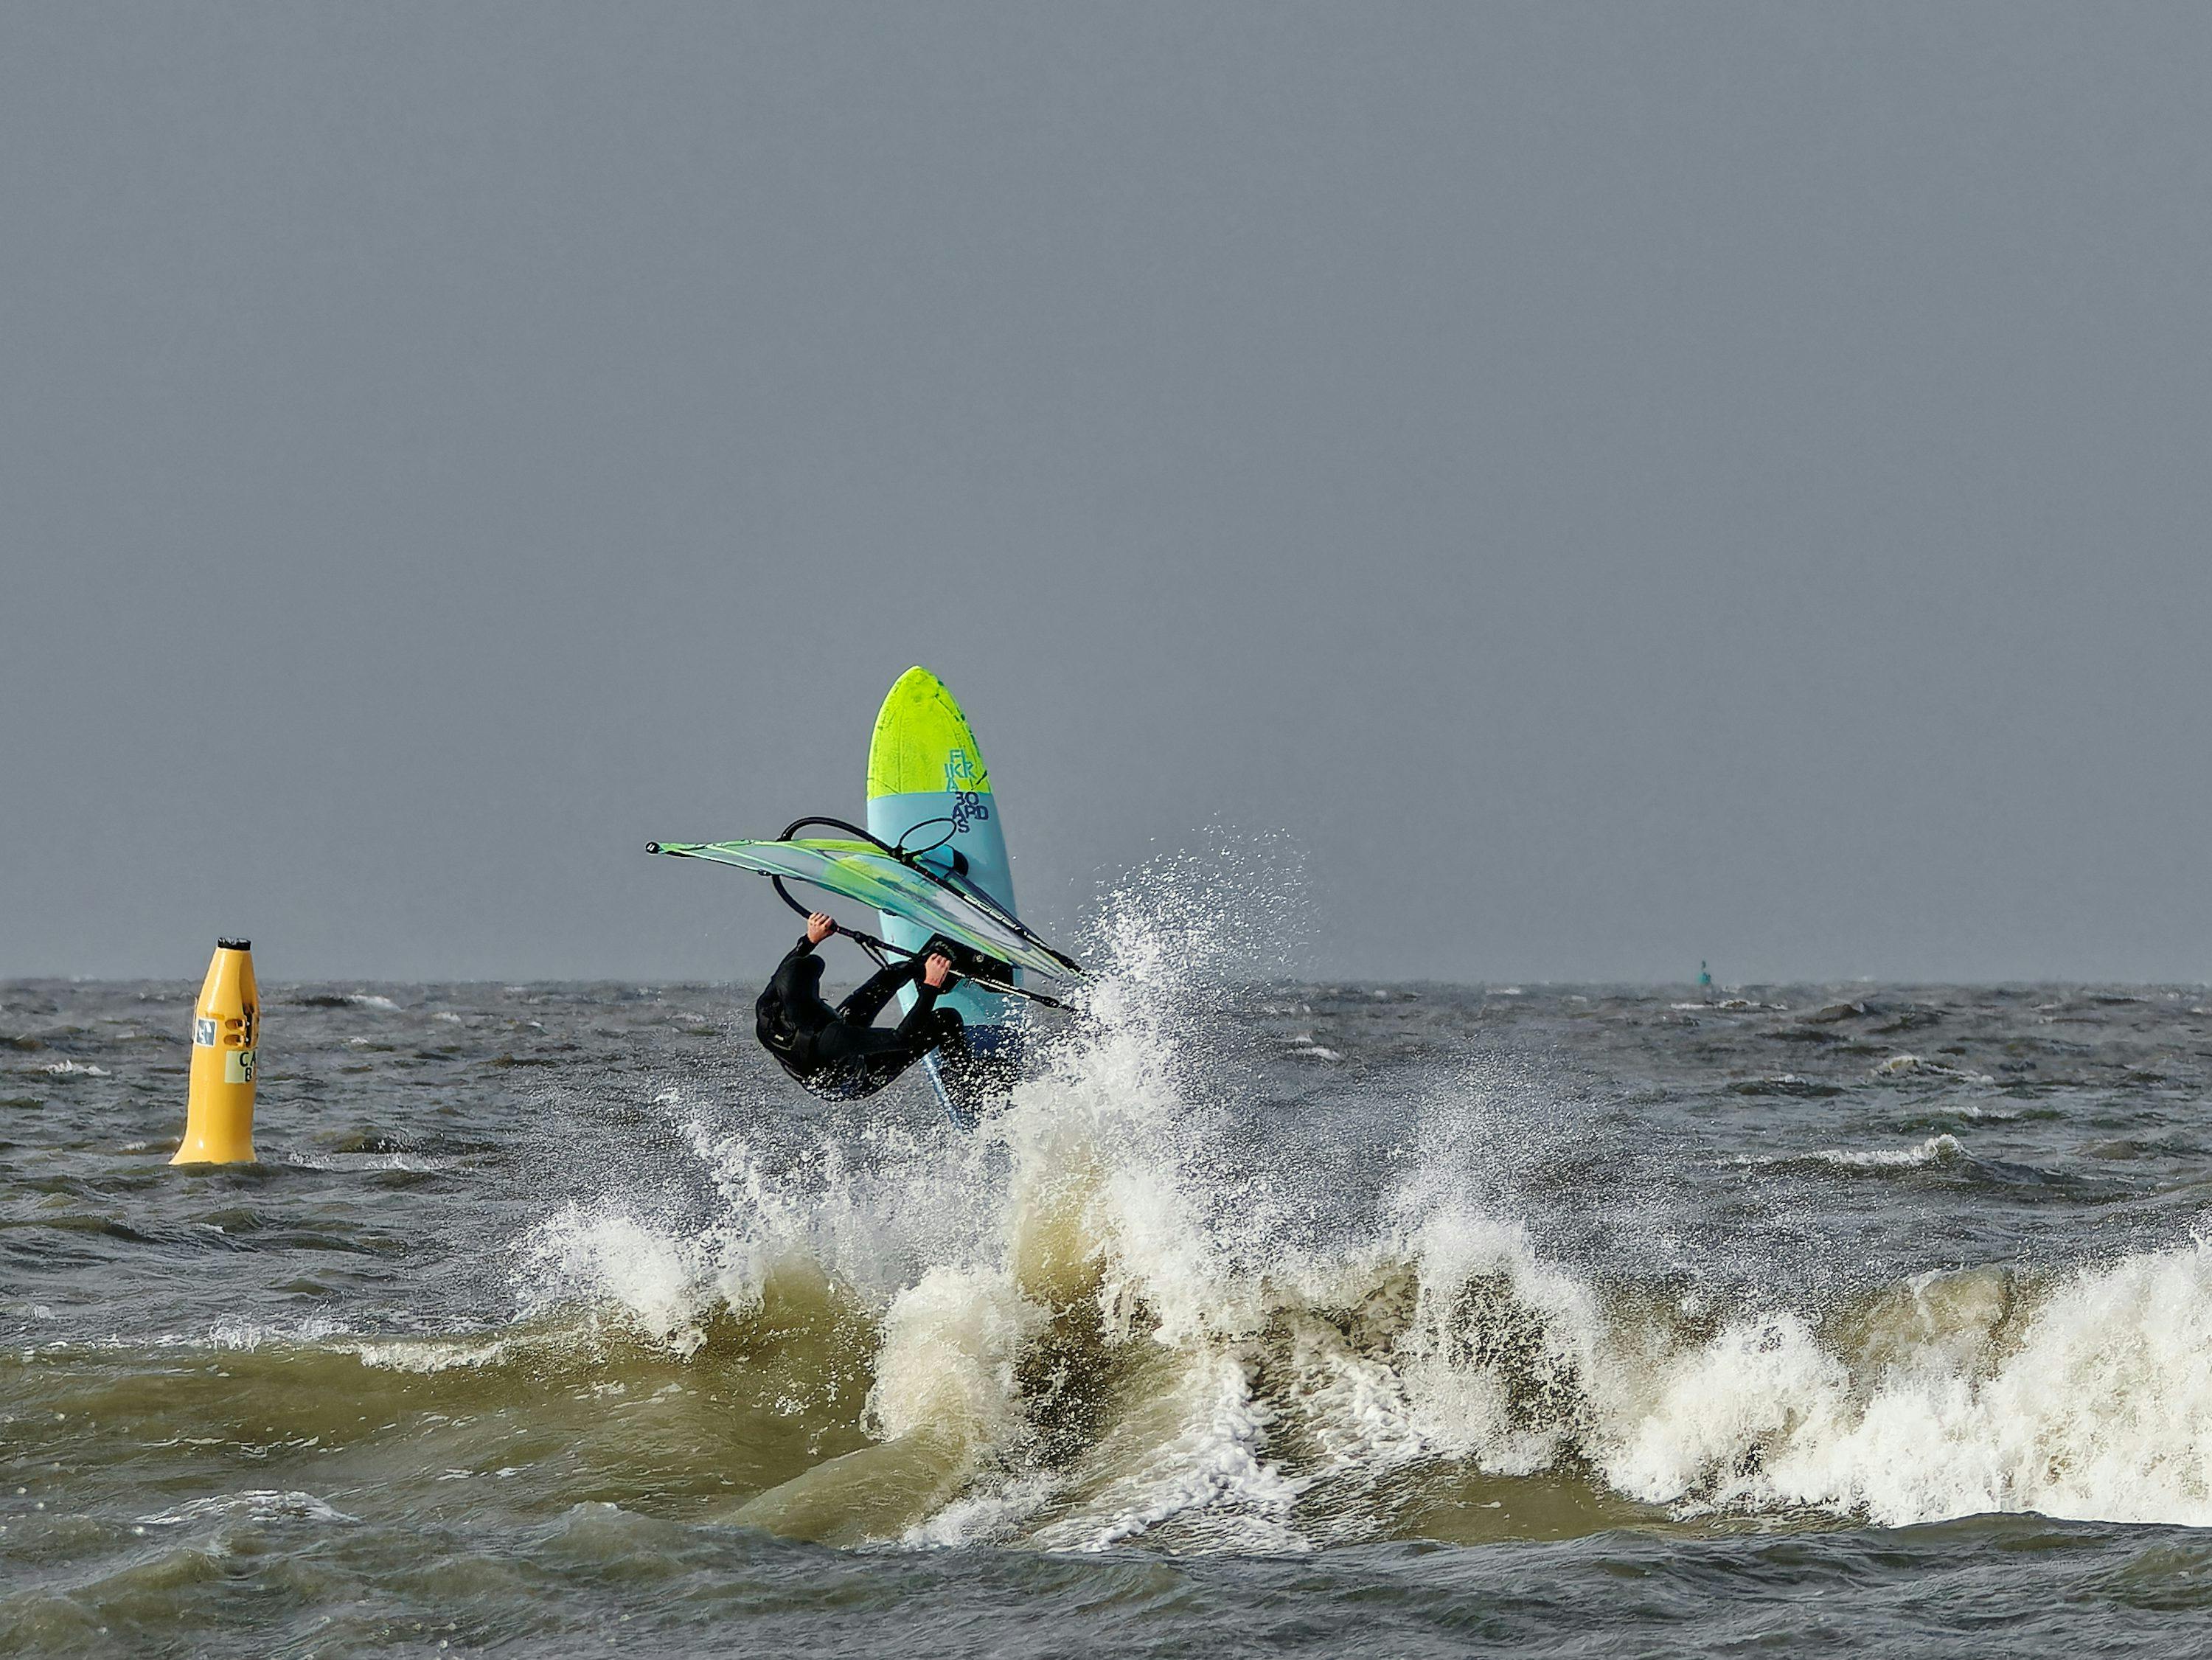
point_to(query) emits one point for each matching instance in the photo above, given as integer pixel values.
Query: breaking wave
(1112, 1316)
(1102, 1320)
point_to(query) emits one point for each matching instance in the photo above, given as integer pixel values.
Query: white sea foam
(1914, 1066)
(946, 1366)
(81, 1069)
(2100, 1407)
(1211, 1478)
(1940, 1149)
(658, 1283)
(430, 1355)
(259, 1505)
(990, 1514)
(417, 1162)
(1935, 1149)
(255, 1334)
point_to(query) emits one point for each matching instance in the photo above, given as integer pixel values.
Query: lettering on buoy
(226, 1036)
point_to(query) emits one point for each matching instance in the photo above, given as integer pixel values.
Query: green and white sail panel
(856, 870)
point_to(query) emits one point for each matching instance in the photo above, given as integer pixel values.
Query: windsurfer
(837, 1053)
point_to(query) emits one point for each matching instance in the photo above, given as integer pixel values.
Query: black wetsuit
(837, 1052)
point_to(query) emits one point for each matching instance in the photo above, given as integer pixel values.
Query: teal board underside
(982, 844)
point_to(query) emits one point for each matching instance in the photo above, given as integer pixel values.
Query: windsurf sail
(864, 869)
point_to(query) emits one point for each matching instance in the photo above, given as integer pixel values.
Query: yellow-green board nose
(922, 742)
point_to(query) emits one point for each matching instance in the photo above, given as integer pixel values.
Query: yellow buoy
(225, 1030)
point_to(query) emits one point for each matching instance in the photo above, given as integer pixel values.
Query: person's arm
(935, 971)
(778, 983)
(927, 987)
(819, 926)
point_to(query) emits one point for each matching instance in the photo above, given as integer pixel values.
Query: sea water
(1398, 1320)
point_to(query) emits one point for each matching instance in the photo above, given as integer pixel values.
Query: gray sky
(1616, 484)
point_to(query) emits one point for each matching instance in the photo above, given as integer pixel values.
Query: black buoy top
(234, 944)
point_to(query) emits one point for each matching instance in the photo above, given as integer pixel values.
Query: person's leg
(843, 1044)
(940, 1029)
(923, 1028)
(852, 1051)
(850, 1059)
(867, 1001)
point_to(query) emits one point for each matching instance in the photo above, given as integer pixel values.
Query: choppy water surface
(1406, 1319)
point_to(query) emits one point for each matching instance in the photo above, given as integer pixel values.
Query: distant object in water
(225, 1030)
(1705, 979)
